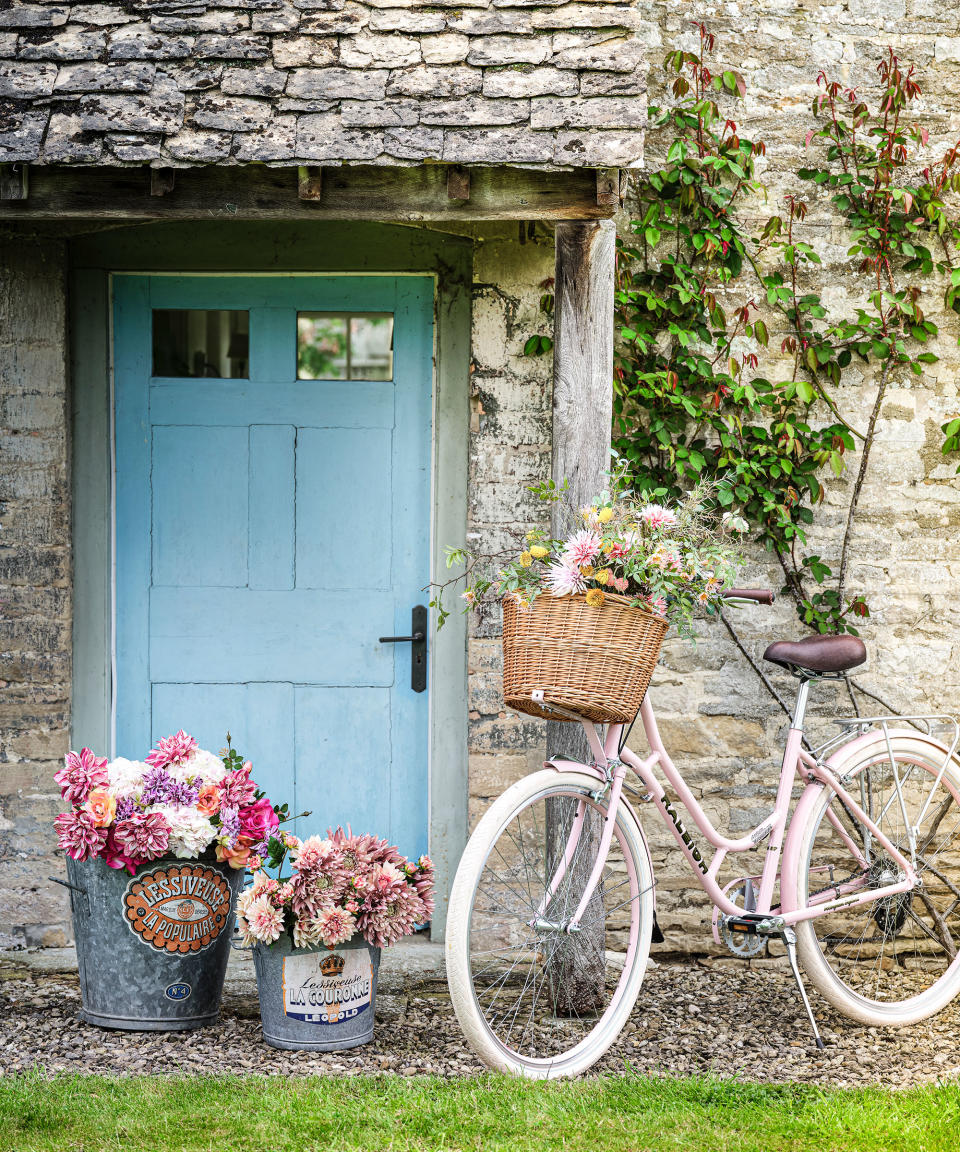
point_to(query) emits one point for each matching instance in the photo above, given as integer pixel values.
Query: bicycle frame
(611, 766)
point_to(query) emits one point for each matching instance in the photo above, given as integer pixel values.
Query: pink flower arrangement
(179, 800)
(340, 885)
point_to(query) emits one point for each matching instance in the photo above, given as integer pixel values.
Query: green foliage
(697, 300)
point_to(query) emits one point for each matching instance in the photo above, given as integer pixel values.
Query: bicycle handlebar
(758, 595)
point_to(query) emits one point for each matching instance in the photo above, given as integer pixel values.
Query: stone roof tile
(554, 83)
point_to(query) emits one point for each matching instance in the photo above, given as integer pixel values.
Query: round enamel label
(182, 908)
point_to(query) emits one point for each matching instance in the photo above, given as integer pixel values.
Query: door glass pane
(344, 346)
(201, 342)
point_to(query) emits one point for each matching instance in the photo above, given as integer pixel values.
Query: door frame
(272, 248)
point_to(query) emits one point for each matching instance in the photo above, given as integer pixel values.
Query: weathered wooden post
(582, 418)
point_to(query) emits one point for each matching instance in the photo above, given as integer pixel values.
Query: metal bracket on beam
(162, 181)
(310, 183)
(608, 188)
(458, 183)
(14, 181)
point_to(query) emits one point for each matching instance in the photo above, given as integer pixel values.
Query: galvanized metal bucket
(152, 948)
(320, 999)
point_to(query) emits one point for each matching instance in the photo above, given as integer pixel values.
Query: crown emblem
(333, 965)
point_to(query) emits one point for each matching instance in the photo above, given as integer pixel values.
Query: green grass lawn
(253, 1114)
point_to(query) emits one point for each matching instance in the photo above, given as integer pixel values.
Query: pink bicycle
(552, 910)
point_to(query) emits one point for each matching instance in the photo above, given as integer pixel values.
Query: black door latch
(418, 647)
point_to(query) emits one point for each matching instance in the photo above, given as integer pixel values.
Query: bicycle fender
(574, 766)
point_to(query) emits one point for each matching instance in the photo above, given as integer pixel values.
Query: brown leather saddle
(829, 654)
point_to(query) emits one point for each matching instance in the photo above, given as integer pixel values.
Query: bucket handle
(73, 888)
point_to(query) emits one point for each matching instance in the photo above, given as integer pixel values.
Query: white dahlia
(190, 830)
(125, 777)
(200, 763)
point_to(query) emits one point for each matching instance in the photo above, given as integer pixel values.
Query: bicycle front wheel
(894, 960)
(531, 997)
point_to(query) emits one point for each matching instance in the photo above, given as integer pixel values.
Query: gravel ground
(722, 1017)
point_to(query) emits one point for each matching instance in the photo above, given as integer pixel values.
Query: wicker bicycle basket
(595, 661)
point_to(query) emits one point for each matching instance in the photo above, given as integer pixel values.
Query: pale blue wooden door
(270, 528)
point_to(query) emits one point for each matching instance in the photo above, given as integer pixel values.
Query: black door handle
(418, 647)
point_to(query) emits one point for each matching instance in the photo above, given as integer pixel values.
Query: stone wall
(717, 717)
(35, 599)
(176, 83)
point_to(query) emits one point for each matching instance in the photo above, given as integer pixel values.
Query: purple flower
(125, 808)
(183, 794)
(229, 823)
(157, 784)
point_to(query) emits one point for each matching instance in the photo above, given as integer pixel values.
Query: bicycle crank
(731, 933)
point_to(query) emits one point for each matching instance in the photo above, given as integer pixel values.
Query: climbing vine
(703, 304)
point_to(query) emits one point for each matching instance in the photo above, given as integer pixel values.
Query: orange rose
(239, 855)
(208, 800)
(102, 807)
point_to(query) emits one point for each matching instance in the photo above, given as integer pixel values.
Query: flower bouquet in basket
(184, 823)
(317, 934)
(584, 615)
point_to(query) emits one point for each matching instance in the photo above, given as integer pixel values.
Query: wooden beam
(310, 183)
(458, 183)
(14, 181)
(608, 188)
(582, 417)
(162, 181)
(348, 193)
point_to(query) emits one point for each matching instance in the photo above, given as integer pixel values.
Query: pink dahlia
(358, 853)
(582, 548)
(80, 774)
(335, 926)
(265, 920)
(238, 789)
(172, 750)
(143, 836)
(115, 858)
(384, 924)
(78, 836)
(565, 579)
(656, 516)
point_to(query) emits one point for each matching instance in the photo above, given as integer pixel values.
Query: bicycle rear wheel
(531, 998)
(895, 960)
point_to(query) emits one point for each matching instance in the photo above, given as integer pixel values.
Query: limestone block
(374, 114)
(161, 110)
(94, 77)
(101, 15)
(25, 80)
(490, 23)
(497, 50)
(321, 136)
(623, 54)
(348, 22)
(414, 143)
(67, 141)
(497, 146)
(33, 16)
(427, 80)
(528, 80)
(449, 48)
(232, 114)
(253, 81)
(194, 76)
(20, 140)
(596, 149)
(595, 112)
(337, 84)
(474, 110)
(249, 47)
(368, 50)
(947, 49)
(591, 15)
(190, 144)
(221, 22)
(282, 20)
(302, 51)
(275, 142)
(67, 45)
(414, 21)
(139, 42)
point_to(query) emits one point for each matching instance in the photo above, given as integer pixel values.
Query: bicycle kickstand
(789, 938)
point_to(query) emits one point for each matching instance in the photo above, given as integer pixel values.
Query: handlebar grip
(759, 595)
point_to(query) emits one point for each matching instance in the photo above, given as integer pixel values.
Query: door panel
(269, 530)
